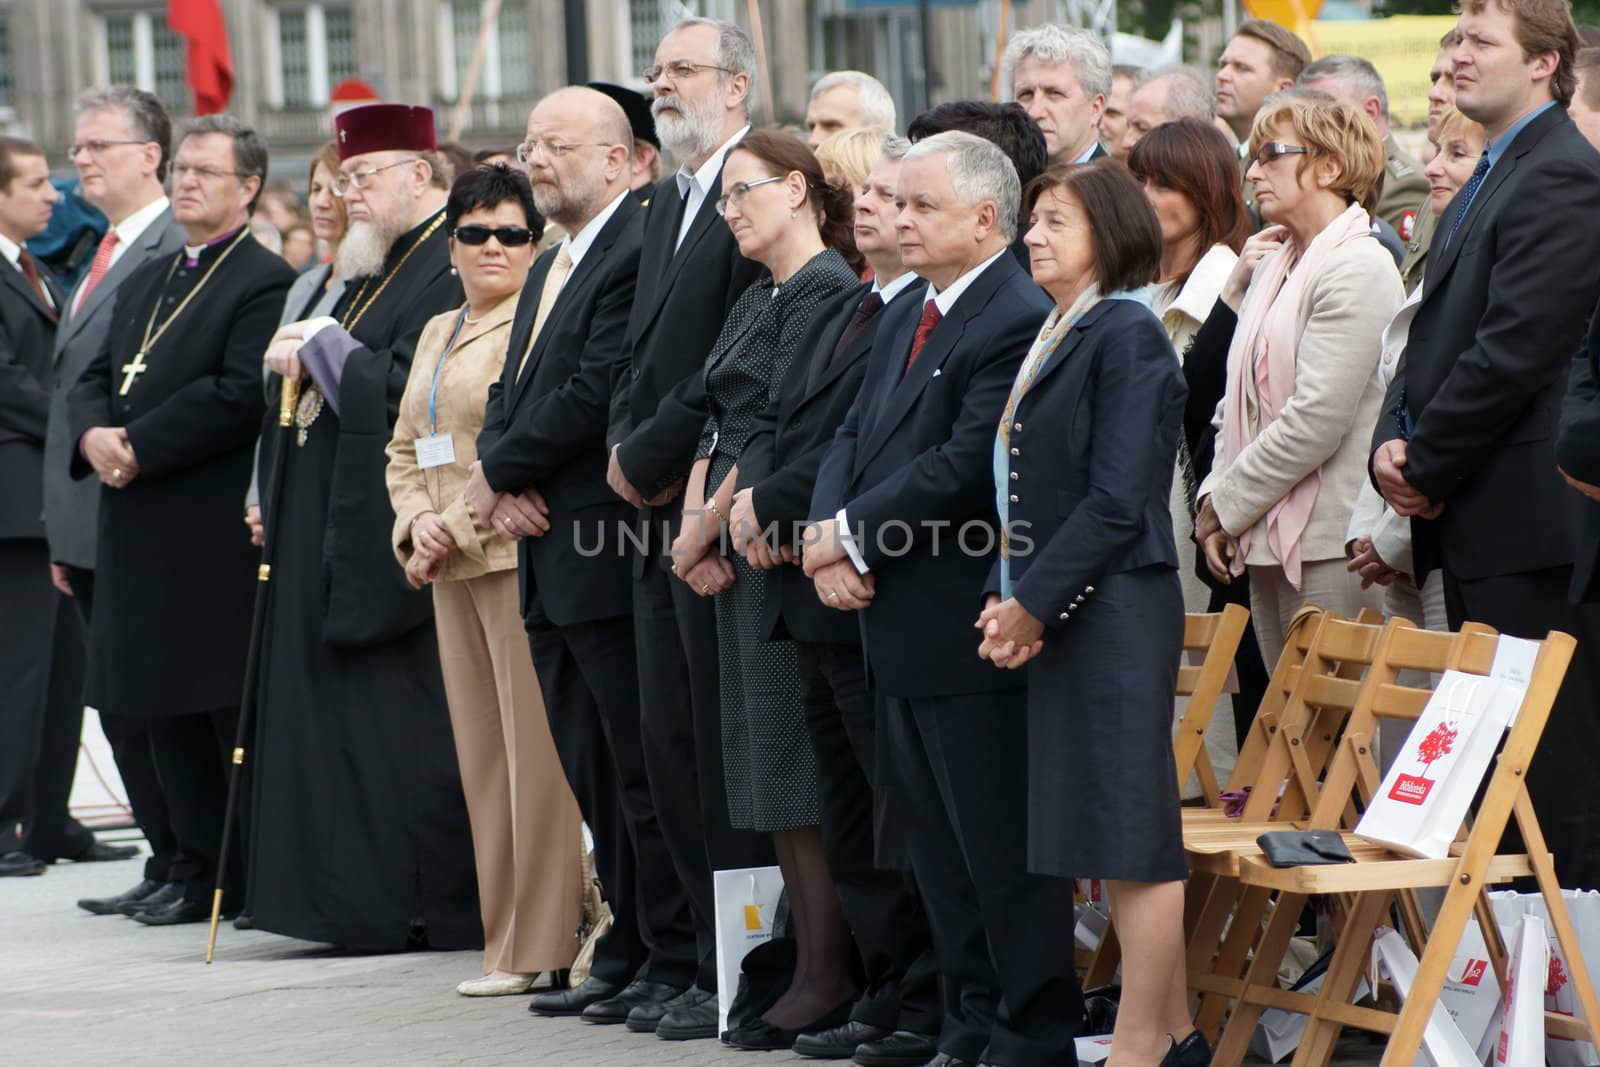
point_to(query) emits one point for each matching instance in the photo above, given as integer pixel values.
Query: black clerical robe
(361, 835)
(174, 578)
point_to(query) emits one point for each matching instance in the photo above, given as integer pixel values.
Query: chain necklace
(132, 370)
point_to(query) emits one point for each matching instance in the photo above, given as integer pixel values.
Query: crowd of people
(830, 504)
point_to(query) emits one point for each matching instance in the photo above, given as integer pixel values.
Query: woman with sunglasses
(526, 832)
(1312, 293)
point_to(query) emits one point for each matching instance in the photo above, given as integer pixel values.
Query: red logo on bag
(1473, 974)
(1409, 789)
(1556, 978)
(1414, 789)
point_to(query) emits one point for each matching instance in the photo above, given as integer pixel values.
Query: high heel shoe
(1192, 1051)
(758, 1035)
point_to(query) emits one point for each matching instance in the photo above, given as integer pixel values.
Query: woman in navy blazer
(1086, 589)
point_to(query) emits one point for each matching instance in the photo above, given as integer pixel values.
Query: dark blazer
(1091, 469)
(547, 428)
(913, 463)
(1485, 368)
(1578, 452)
(27, 336)
(71, 507)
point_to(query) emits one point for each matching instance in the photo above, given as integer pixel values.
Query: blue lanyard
(433, 392)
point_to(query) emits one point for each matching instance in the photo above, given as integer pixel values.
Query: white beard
(687, 132)
(364, 248)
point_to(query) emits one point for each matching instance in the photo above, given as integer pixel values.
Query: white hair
(1189, 93)
(736, 54)
(872, 99)
(1358, 74)
(1055, 44)
(979, 171)
(895, 149)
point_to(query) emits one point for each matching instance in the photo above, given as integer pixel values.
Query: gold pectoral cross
(131, 372)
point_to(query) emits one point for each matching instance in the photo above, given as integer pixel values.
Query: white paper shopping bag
(1093, 916)
(1419, 808)
(746, 899)
(1443, 1043)
(1559, 995)
(1521, 1042)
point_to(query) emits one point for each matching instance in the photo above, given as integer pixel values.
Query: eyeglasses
(361, 179)
(737, 194)
(95, 148)
(1271, 150)
(509, 236)
(181, 171)
(528, 151)
(682, 70)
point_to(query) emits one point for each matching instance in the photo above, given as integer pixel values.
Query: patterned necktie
(31, 272)
(547, 299)
(930, 319)
(98, 267)
(1468, 191)
(870, 305)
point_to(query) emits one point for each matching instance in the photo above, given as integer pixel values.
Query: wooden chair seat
(1375, 867)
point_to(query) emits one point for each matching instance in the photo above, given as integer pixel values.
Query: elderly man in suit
(1465, 443)
(905, 534)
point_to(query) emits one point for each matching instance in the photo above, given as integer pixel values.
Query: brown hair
(1122, 224)
(10, 149)
(1193, 158)
(1540, 26)
(1289, 53)
(833, 205)
(1330, 131)
(1587, 64)
(328, 156)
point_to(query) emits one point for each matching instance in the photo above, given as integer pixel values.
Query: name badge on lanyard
(438, 449)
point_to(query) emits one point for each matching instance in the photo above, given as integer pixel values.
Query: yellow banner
(1401, 47)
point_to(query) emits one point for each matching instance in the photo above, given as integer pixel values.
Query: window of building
(507, 69)
(137, 48)
(310, 47)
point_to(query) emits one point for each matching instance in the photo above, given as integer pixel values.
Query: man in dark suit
(1466, 441)
(905, 533)
(1578, 452)
(897, 1016)
(690, 274)
(541, 479)
(122, 138)
(1061, 76)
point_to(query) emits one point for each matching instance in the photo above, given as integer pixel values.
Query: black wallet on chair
(1304, 848)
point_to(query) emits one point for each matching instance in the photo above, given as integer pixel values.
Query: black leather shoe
(560, 1002)
(168, 893)
(839, 1043)
(18, 864)
(103, 853)
(108, 905)
(904, 1049)
(615, 1009)
(692, 1020)
(758, 1035)
(646, 1017)
(245, 921)
(177, 913)
(1192, 1051)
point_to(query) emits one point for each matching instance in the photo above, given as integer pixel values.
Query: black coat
(547, 429)
(27, 337)
(913, 464)
(1578, 452)
(174, 578)
(1504, 306)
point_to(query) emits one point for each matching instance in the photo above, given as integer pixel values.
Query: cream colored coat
(474, 363)
(1327, 423)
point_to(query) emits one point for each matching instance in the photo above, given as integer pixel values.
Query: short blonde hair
(851, 154)
(1453, 121)
(1330, 132)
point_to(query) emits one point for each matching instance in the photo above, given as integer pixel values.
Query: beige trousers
(1324, 583)
(526, 829)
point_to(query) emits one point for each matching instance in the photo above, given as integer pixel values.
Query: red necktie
(98, 267)
(31, 272)
(930, 319)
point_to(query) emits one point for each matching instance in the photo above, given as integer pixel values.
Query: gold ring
(675, 573)
(505, 520)
(116, 474)
(833, 596)
(705, 589)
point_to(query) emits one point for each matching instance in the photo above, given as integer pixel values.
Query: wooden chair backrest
(1215, 638)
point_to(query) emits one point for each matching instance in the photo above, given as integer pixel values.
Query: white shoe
(490, 986)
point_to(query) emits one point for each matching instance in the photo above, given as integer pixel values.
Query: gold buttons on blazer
(1015, 475)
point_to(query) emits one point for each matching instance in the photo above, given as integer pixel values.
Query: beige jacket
(474, 363)
(1327, 424)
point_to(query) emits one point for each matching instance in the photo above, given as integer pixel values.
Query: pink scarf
(1266, 344)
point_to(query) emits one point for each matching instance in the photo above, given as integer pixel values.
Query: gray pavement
(82, 989)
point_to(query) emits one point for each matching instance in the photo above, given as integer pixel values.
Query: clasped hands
(1217, 545)
(618, 481)
(111, 455)
(1011, 635)
(833, 574)
(511, 515)
(430, 544)
(283, 351)
(1403, 497)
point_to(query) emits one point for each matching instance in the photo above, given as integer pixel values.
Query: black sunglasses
(1272, 150)
(509, 236)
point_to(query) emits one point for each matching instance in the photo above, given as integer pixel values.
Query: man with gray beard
(361, 835)
(690, 274)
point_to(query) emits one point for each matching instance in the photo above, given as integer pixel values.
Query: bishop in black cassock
(361, 835)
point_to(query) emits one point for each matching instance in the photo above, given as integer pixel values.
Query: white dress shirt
(694, 185)
(13, 255)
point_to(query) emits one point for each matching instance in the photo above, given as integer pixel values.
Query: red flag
(200, 22)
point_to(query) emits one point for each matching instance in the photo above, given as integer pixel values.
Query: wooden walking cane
(252, 662)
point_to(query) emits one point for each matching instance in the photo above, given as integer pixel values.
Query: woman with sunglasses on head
(526, 832)
(786, 217)
(1312, 293)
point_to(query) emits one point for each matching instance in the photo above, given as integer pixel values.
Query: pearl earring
(452, 270)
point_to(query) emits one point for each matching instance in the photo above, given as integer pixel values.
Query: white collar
(11, 250)
(1087, 154)
(701, 179)
(946, 299)
(580, 242)
(901, 283)
(1199, 293)
(130, 228)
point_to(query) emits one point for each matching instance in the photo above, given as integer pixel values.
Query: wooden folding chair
(1371, 885)
(1214, 640)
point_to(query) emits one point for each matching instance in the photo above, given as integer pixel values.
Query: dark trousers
(591, 695)
(882, 906)
(191, 754)
(680, 719)
(55, 834)
(130, 746)
(26, 627)
(1002, 934)
(1564, 777)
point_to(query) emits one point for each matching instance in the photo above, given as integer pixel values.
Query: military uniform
(1417, 247)
(1404, 187)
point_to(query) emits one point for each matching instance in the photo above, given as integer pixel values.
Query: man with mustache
(690, 274)
(361, 835)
